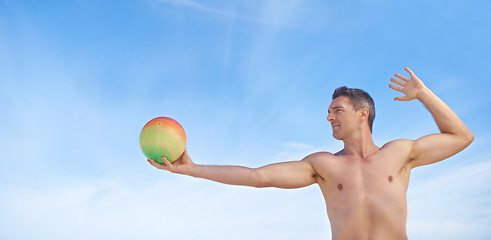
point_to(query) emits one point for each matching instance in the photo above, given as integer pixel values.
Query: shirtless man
(364, 186)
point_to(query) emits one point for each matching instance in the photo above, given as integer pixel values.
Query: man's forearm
(233, 175)
(445, 118)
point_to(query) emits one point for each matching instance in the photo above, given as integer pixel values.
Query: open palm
(410, 87)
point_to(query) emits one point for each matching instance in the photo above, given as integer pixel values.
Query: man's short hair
(359, 99)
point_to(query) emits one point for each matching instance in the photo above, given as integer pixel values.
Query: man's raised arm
(454, 136)
(293, 174)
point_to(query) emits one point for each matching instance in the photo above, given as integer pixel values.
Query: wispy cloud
(452, 202)
(165, 209)
(197, 6)
(270, 12)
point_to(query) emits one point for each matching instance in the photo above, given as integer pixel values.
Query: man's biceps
(428, 141)
(293, 168)
(433, 148)
(308, 168)
(283, 175)
(423, 145)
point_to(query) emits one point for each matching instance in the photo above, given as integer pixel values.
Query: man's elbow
(263, 183)
(261, 180)
(467, 138)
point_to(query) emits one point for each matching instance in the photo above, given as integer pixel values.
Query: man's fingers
(154, 163)
(399, 89)
(398, 81)
(407, 90)
(151, 161)
(405, 79)
(409, 71)
(167, 163)
(400, 99)
(157, 164)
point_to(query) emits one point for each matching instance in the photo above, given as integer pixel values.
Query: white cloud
(294, 151)
(173, 208)
(452, 203)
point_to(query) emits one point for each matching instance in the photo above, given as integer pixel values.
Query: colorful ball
(163, 137)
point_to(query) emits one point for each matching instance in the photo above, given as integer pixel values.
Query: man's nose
(330, 118)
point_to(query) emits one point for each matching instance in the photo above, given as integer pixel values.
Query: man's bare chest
(376, 174)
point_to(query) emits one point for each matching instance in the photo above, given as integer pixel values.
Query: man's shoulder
(318, 156)
(398, 149)
(398, 144)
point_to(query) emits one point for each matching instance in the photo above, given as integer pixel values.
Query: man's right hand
(183, 165)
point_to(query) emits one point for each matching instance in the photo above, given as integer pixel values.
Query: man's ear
(364, 113)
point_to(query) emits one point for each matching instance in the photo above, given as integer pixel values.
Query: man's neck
(360, 146)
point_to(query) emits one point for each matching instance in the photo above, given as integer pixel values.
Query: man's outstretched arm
(293, 174)
(454, 136)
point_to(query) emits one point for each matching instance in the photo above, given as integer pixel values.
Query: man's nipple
(390, 178)
(340, 186)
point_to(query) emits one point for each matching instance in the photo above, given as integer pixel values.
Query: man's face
(343, 117)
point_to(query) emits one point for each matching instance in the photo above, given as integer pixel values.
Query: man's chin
(336, 136)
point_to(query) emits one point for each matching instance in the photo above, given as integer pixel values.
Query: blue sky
(250, 81)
